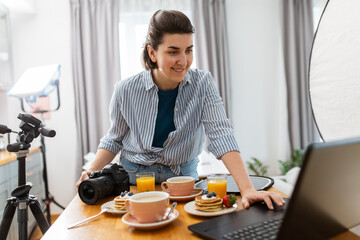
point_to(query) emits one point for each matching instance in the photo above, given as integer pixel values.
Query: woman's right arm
(112, 142)
(102, 158)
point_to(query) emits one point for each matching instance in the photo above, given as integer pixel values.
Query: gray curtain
(95, 66)
(211, 47)
(298, 33)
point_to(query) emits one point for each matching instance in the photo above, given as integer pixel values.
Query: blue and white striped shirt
(198, 109)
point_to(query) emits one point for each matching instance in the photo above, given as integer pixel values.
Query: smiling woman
(174, 101)
(173, 58)
(133, 25)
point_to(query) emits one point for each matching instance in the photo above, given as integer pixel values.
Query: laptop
(324, 203)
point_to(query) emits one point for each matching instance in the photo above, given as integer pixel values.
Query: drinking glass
(217, 183)
(145, 181)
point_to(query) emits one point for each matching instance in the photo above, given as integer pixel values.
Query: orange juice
(218, 186)
(145, 184)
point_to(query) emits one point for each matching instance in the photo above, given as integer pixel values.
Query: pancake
(119, 201)
(213, 204)
(120, 207)
(209, 209)
(216, 199)
(208, 204)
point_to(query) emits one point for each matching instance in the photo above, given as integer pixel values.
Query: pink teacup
(148, 207)
(179, 186)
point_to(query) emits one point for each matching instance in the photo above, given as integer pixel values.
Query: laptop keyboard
(263, 230)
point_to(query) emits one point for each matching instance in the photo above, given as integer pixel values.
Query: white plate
(132, 222)
(112, 209)
(195, 192)
(190, 208)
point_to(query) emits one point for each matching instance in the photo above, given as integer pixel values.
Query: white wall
(258, 86)
(42, 38)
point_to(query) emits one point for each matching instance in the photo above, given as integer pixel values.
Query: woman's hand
(253, 196)
(84, 175)
(102, 158)
(236, 167)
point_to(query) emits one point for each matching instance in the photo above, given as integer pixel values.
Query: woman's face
(173, 58)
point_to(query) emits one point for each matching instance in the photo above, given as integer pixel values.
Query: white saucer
(132, 222)
(110, 205)
(190, 208)
(195, 192)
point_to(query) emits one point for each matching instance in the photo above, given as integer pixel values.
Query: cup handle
(128, 208)
(164, 187)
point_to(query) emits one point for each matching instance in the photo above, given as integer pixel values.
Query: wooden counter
(110, 226)
(7, 157)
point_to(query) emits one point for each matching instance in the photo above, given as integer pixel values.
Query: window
(318, 8)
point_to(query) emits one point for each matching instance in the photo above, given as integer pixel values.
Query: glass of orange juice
(145, 181)
(217, 183)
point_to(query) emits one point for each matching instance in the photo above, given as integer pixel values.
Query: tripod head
(31, 128)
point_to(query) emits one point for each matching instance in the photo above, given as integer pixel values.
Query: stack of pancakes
(119, 203)
(208, 205)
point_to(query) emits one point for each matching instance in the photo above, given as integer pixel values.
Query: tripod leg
(7, 219)
(39, 216)
(45, 178)
(22, 220)
(47, 210)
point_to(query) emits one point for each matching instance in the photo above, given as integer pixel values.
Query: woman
(159, 116)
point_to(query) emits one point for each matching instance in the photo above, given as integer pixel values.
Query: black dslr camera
(110, 181)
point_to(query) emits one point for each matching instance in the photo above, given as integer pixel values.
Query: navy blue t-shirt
(165, 116)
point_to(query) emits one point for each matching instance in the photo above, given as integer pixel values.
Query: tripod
(21, 198)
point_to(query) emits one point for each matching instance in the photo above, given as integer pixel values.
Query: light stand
(43, 81)
(48, 197)
(20, 200)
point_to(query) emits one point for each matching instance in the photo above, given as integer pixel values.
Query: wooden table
(110, 226)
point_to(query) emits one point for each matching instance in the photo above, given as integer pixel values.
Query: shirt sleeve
(217, 126)
(112, 141)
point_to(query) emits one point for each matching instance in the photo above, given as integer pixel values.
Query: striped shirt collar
(149, 82)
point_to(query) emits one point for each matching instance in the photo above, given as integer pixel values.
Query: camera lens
(91, 190)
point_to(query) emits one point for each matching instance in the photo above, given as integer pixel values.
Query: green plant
(257, 167)
(294, 161)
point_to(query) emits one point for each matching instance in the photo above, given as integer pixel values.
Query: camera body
(110, 181)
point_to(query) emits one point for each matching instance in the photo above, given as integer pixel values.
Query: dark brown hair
(162, 22)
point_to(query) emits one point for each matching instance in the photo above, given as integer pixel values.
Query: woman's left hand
(252, 196)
